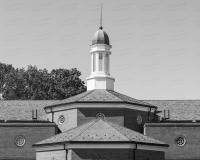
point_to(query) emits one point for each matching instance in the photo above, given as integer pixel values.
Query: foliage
(39, 84)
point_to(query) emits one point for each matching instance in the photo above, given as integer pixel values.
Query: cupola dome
(100, 37)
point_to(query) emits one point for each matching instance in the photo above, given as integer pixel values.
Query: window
(20, 141)
(100, 116)
(61, 119)
(180, 141)
(139, 119)
(106, 62)
(100, 62)
(94, 62)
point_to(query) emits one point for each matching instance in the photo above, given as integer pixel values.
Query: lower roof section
(99, 133)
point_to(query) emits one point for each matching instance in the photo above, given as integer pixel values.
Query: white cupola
(100, 62)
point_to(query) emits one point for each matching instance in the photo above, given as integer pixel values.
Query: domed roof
(100, 37)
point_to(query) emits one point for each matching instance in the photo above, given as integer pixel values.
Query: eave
(97, 104)
(100, 145)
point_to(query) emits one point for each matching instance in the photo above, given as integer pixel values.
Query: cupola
(100, 37)
(100, 62)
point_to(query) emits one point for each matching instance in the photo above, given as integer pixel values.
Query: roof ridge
(85, 95)
(117, 130)
(148, 104)
(63, 101)
(135, 132)
(128, 96)
(64, 132)
(83, 131)
(115, 95)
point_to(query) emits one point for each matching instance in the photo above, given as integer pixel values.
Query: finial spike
(101, 18)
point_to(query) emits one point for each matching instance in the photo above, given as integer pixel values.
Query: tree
(15, 86)
(39, 84)
(4, 70)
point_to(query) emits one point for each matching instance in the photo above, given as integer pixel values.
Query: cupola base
(100, 82)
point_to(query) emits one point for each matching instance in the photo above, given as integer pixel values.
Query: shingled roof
(22, 109)
(101, 95)
(101, 131)
(179, 109)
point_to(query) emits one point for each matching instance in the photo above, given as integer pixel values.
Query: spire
(101, 19)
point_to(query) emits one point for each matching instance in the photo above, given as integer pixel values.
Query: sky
(155, 44)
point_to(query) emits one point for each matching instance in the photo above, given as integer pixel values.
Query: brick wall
(51, 155)
(8, 149)
(70, 119)
(110, 154)
(113, 115)
(123, 117)
(168, 135)
(149, 155)
(131, 122)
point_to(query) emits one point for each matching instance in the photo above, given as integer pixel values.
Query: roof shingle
(101, 131)
(102, 95)
(179, 109)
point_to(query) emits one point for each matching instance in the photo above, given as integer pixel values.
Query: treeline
(39, 84)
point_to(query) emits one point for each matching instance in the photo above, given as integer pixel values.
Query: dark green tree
(39, 84)
(15, 85)
(4, 70)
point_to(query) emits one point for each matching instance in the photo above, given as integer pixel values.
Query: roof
(26, 124)
(179, 109)
(101, 131)
(173, 124)
(101, 95)
(100, 37)
(22, 109)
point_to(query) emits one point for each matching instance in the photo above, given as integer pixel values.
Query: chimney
(34, 114)
(166, 114)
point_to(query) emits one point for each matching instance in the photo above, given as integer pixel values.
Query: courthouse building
(100, 124)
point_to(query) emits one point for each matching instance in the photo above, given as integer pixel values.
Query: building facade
(100, 124)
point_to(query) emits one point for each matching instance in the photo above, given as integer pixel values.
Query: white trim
(135, 107)
(153, 110)
(99, 146)
(151, 147)
(49, 147)
(103, 76)
(144, 127)
(100, 47)
(68, 146)
(48, 110)
(69, 154)
(99, 105)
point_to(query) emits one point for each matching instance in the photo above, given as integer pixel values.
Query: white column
(97, 61)
(69, 154)
(92, 63)
(144, 130)
(108, 63)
